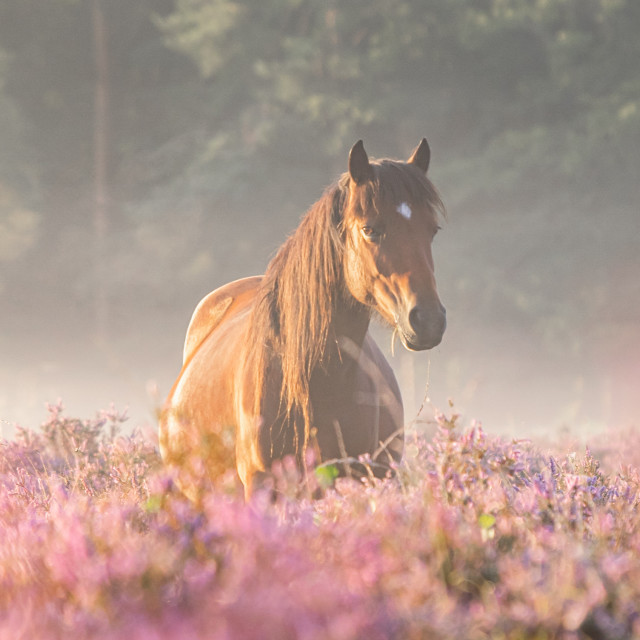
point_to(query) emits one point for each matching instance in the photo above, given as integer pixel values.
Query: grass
(476, 537)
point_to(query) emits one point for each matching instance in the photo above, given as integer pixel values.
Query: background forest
(153, 150)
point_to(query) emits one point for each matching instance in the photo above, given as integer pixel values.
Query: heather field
(476, 537)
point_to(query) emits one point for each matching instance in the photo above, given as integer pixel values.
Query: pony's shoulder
(212, 308)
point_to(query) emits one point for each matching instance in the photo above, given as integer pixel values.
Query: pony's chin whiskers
(394, 335)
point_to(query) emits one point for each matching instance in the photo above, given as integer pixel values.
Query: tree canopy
(227, 117)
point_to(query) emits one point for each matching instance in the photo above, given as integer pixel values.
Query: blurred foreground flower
(475, 537)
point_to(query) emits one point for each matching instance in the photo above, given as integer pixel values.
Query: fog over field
(152, 151)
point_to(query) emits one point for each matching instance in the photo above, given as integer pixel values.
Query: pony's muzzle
(426, 327)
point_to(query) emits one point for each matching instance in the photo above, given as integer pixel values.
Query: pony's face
(390, 221)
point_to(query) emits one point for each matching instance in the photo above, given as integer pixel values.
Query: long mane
(294, 311)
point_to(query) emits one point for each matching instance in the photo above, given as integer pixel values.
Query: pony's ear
(360, 169)
(421, 156)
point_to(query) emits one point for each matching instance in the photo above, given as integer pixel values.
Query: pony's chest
(347, 402)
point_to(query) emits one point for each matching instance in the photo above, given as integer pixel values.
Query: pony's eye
(371, 234)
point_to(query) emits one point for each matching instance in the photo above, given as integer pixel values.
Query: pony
(281, 364)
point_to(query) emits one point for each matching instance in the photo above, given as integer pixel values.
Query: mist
(150, 154)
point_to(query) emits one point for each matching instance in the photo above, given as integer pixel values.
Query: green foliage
(326, 475)
(507, 89)
(514, 92)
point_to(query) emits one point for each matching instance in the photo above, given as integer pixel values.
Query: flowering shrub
(475, 537)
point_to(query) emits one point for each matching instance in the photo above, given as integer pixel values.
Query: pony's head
(389, 222)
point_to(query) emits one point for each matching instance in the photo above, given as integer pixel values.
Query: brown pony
(276, 364)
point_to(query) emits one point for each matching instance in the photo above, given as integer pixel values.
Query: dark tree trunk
(101, 168)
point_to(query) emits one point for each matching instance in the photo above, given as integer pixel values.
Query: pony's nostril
(416, 319)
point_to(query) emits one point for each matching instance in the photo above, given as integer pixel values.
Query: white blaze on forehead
(404, 210)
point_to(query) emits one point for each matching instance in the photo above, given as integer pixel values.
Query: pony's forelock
(393, 183)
